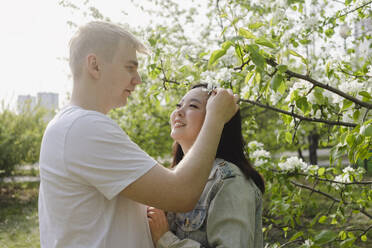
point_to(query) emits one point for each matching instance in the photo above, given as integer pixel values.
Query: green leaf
(302, 104)
(329, 32)
(365, 94)
(321, 171)
(238, 52)
(255, 25)
(319, 98)
(248, 77)
(257, 58)
(295, 54)
(346, 104)
(305, 41)
(296, 235)
(264, 42)
(298, 55)
(323, 219)
(325, 237)
(366, 130)
(226, 45)
(246, 34)
(276, 81)
(282, 87)
(288, 137)
(282, 68)
(350, 139)
(342, 235)
(216, 55)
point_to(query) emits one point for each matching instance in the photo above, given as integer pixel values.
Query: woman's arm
(232, 216)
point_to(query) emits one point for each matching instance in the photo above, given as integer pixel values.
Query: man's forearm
(195, 167)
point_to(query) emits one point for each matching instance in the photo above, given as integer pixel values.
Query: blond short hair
(101, 38)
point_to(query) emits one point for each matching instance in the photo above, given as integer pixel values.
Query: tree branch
(365, 231)
(165, 79)
(328, 196)
(351, 11)
(315, 190)
(240, 68)
(350, 74)
(291, 242)
(324, 86)
(328, 180)
(335, 123)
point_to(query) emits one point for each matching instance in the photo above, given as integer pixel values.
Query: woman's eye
(178, 105)
(193, 106)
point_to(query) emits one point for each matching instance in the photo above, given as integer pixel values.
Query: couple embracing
(99, 189)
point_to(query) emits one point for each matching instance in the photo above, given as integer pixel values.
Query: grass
(19, 227)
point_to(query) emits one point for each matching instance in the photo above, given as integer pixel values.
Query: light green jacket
(228, 214)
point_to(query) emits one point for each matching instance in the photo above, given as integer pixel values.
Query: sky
(34, 44)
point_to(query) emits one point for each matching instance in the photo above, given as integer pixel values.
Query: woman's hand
(158, 223)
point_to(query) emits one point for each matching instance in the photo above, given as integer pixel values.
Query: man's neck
(88, 97)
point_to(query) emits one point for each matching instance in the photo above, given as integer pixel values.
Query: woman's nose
(180, 111)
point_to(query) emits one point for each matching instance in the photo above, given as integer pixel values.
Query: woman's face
(188, 117)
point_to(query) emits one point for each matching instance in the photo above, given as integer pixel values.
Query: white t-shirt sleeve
(100, 154)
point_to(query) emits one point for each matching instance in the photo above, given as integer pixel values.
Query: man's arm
(179, 189)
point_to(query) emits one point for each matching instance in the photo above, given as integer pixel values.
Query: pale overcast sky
(34, 41)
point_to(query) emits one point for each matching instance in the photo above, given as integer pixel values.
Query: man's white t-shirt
(86, 160)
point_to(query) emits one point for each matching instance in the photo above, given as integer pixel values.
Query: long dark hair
(230, 148)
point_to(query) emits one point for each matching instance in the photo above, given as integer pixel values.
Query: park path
(323, 160)
(21, 179)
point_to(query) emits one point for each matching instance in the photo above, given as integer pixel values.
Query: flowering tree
(304, 75)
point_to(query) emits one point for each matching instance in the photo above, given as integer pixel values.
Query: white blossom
(275, 97)
(344, 177)
(292, 163)
(302, 87)
(260, 153)
(253, 145)
(348, 170)
(308, 243)
(311, 98)
(311, 21)
(311, 168)
(369, 71)
(190, 78)
(259, 162)
(348, 116)
(352, 87)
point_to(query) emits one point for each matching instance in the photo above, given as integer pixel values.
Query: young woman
(229, 211)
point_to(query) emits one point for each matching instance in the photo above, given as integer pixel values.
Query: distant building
(47, 100)
(26, 103)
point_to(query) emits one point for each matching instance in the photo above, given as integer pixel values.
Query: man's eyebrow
(133, 62)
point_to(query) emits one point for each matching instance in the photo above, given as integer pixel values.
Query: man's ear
(92, 66)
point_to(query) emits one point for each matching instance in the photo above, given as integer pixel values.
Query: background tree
(298, 80)
(20, 137)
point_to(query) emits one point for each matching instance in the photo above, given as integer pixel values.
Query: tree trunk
(313, 146)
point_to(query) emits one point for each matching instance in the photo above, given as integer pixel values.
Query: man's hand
(222, 104)
(158, 223)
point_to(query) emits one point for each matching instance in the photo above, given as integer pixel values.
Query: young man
(95, 182)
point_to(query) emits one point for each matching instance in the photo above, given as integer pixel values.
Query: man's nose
(137, 79)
